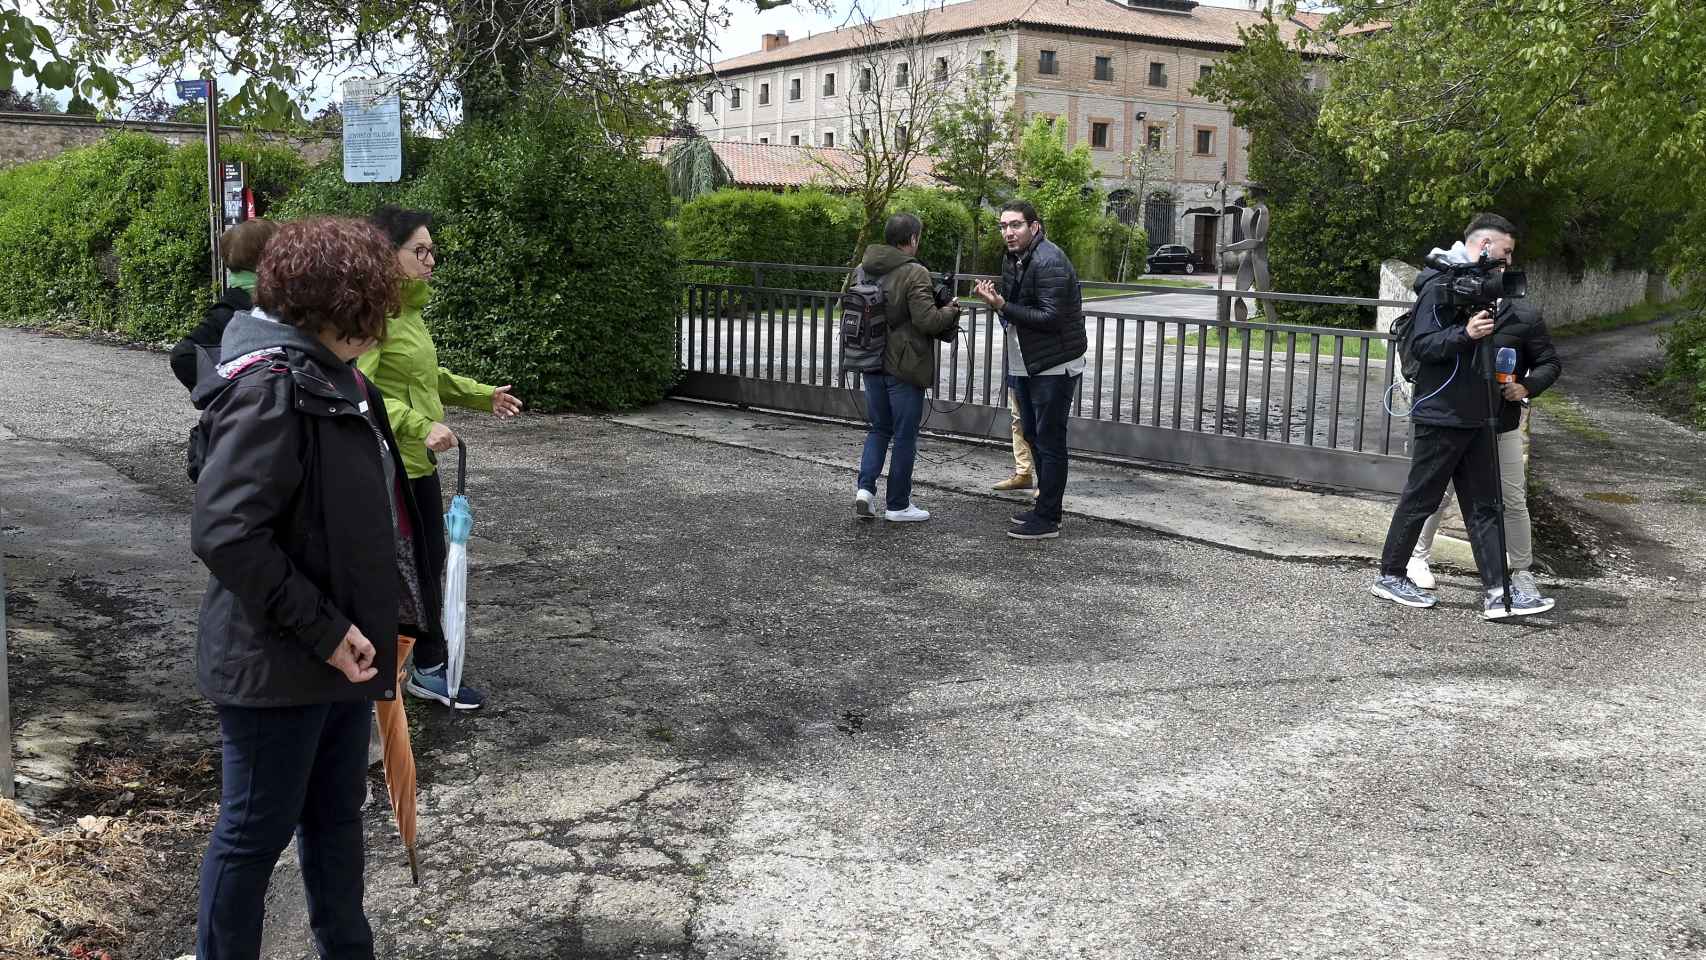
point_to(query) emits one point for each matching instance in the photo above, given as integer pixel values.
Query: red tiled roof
(1214, 26)
(774, 166)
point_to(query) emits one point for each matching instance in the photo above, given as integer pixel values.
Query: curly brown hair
(330, 273)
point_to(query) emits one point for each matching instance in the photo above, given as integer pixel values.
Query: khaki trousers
(1023, 463)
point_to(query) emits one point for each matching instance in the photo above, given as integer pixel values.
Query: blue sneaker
(1523, 604)
(432, 685)
(1402, 590)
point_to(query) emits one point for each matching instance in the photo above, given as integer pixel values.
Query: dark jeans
(1044, 405)
(1464, 459)
(430, 650)
(894, 408)
(288, 770)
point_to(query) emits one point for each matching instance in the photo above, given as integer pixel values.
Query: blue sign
(192, 90)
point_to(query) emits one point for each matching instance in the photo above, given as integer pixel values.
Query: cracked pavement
(729, 721)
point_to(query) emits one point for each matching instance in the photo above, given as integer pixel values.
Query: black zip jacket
(1043, 305)
(207, 335)
(1451, 387)
(293, 519)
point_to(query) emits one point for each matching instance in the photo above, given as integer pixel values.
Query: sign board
(192, 90)
(233, 208)
(373, 133)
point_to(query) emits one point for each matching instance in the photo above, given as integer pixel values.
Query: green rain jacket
(405, 368)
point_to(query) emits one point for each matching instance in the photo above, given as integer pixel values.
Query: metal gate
(1277, 401)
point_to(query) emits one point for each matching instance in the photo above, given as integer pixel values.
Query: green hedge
(806, 227)
(1685, 359)
(558, 273)
(113, 237)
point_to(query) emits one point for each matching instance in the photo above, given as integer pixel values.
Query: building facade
(1119, 75)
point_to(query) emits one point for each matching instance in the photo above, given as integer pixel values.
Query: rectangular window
(864, 79)
(864, 135)
(1157, 74)
(902, 74)
(734, 99)
(794, 89)
(764, 94)
(1099, 136)
(763, 139)
(1104, 68)
(900, 136)
(829, 84)
(1205, 142)
(829, 138)
(941, 69)
(710, 103)
(794, 140)
(989, 59)
(1047, 63)
(1308, 82)
(1154, 138)
(1204, 71)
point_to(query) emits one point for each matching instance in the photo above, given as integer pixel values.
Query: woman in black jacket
(307, 533)
(241, 247)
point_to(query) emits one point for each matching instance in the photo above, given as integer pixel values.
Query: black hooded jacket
(294, 521)
(1043, 305)
(1451, 387)
(207, 335)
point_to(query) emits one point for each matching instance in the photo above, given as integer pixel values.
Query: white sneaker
(910, 515)
(1523, 580)
(1419, 574)
(864, 505)
(1522, 604)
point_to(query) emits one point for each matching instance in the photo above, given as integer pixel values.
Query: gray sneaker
(1402, 590)
(1523, 604)
(1524, 580)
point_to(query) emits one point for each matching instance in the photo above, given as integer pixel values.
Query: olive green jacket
(915, 322)
(405, 368)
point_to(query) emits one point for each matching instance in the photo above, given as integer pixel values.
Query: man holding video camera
(1458, 299)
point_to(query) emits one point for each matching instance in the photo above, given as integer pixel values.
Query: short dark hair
(241, 246)
(1489, 221)
(1023, 208)
(902, 228)
(399, 223)
(330, 273)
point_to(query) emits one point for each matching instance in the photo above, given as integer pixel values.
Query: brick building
(1118, 74)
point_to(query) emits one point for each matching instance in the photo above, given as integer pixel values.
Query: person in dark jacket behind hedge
(307, 531)
(1038, 302)
(894, 399)
(241, 246)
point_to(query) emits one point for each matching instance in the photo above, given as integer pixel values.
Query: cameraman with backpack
(894, 397)
(1452, 444)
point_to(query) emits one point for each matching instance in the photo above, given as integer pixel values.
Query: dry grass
(81, 890)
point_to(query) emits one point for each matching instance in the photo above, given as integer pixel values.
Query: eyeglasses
(1007, 225)
(424, 253)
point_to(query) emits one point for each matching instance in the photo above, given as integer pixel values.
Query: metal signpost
(208, 91)
(373, 133)
(7, 786)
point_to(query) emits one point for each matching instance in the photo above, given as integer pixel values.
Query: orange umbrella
(400, 759)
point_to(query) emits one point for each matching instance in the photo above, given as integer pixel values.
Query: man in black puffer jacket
(1039, 306)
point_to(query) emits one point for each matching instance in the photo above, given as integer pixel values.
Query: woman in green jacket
(405, 368)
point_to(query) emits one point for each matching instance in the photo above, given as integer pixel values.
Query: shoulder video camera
(944, 291)
(1478, 284)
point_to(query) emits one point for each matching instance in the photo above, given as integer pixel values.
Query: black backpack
(1410, 367)
(864, 325)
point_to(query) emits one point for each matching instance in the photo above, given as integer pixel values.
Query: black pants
(288, 770)
(1464, 459)
(430, 650)
(1045, 403)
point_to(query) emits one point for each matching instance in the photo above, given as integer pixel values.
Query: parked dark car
(1172, 256)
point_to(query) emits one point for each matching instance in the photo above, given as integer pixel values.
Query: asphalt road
(728, 720)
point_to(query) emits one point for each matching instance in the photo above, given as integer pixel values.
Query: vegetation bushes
(1685, 360)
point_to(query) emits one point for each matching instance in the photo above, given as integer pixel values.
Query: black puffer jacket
(207, 335)
(1041, 289)
(1451, 387)
(294, 521)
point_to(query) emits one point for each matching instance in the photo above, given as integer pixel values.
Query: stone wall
(1563, 299)
(32, 136)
